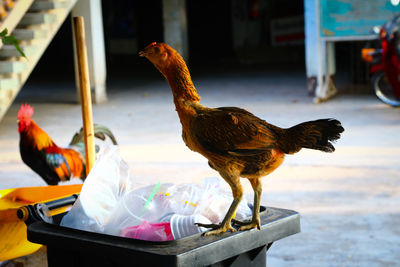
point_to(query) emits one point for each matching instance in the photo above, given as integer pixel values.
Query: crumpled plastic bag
(149, 231)
(106, 184)
(110, 200)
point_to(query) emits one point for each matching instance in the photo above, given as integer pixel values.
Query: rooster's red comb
(25, 111)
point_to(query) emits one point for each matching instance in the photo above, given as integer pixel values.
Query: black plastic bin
(71, 247)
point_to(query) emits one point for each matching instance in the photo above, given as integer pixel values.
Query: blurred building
(309, 36)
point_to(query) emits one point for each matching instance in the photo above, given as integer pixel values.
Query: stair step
(5, 97)
(13, 66)
(8, 83)
(47, 4)
(11, 51)
(37, 18)
(40, 18)
(29, 34)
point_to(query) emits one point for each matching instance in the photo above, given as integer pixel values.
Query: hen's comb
(151, 45)
(25, 111)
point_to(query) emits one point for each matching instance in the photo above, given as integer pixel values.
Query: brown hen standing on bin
(235, 142)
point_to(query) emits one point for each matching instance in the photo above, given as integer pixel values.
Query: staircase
(34, 23)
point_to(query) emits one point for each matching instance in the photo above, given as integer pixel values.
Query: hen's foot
(248, 224)
(240, 223)
(217, 228)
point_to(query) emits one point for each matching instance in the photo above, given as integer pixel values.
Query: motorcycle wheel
(383, 90)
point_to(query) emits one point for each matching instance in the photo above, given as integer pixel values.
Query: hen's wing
(234, 131)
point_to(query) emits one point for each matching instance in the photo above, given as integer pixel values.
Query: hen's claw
(247, 225)
(212, 225)
(217, 228)
(250, 225)
(237, 222)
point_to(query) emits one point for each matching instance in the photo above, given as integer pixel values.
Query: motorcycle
(384, 63)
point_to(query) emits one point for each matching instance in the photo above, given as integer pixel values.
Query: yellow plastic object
(13, 240)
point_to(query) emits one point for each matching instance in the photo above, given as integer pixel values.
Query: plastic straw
(152, 194)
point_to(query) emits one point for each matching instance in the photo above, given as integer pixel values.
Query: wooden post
(86, 99)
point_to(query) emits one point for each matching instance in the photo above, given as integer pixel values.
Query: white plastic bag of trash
(111, 203)
(106, 184)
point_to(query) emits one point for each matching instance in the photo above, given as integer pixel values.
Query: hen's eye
(157, 50)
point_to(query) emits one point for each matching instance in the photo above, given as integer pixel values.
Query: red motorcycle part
(391, 65)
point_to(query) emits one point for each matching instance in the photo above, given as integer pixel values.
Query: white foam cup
(184, 225)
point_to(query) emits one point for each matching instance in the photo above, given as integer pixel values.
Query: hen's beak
(142, 54)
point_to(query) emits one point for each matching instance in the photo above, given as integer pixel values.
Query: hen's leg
(237, 191)
(255, 221)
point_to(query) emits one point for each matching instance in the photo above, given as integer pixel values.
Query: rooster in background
(235, 142)
(42, 155)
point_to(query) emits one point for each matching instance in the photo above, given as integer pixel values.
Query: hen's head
(24, 116)
(161, 55)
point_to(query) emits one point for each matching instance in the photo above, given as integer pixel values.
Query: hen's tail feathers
(318, 134)
(100, 131)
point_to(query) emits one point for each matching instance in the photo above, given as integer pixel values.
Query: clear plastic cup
(184, 225)
(126, 214)
(132, 211)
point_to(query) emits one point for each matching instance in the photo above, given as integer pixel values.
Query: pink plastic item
(149, 231)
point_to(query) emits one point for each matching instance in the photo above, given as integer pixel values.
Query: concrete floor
(348, 200)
